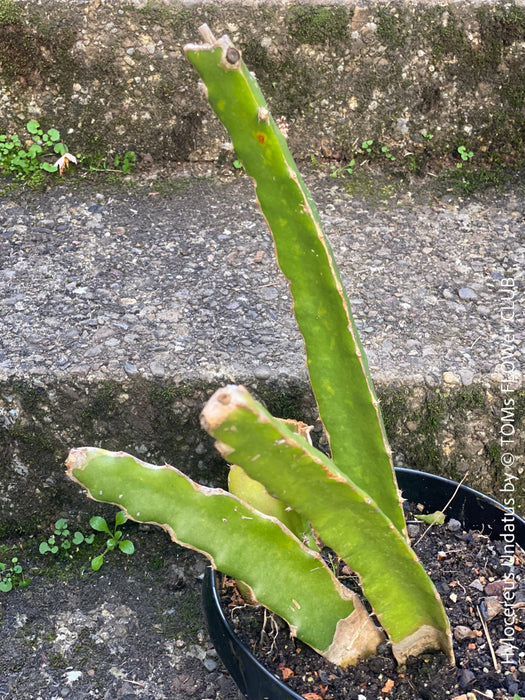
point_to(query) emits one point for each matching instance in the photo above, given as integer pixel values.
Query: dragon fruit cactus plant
(284, 493)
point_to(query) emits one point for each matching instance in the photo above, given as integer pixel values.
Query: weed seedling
(341, 170)
(61, 539)
(28, 163)
(101, 164)
(465, 155)
(12, 575)
(386, 151)
(367, 146)
(126, 163)
(100, 525)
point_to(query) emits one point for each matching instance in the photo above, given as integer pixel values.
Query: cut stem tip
(207, 34)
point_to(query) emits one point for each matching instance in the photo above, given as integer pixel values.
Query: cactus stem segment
(391, 577)
(337, 365)
(276, 566)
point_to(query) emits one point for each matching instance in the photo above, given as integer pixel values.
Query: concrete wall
(442, 432)
(111, 75)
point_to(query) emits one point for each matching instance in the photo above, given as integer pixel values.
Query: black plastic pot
(471, 508)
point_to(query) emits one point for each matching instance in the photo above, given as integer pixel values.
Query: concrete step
(419, 78)
(123, 309)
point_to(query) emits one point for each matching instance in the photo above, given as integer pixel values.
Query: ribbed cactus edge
(344, 516)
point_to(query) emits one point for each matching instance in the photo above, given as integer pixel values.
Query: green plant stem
(240, 542)
(346, 519)
(337, 363)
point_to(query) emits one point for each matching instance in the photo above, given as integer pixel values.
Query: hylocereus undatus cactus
(351, 502)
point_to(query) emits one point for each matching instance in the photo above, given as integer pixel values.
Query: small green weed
(362, 156)
(340, 171)
(427, 136)
(115, 538)
(27, 161)
(61, 539)
(12, 575)
(126, 163)
(465, 155)
(386, 152)
(237, 164)
(102, 164)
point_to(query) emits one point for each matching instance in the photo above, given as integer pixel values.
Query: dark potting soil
(468, 572)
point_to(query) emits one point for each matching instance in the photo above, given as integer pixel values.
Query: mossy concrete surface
(443, 431)
(157, 422)
(421, 78)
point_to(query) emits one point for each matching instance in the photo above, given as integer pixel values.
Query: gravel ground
(134, 629)
(101, 282)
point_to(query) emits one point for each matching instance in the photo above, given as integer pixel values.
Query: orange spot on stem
(261, 138)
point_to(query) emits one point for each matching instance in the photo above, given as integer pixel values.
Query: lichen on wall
(9, 13)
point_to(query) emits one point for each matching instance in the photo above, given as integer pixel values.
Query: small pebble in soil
(504, 651)
(461, 632)
(413, 530)
(490, 607)
(465, 677)
(454, 525)
(210, 664)
(498, 587)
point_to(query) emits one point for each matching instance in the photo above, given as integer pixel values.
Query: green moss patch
(318, 25)
(392, 28)
(10, 13)
(418, 432)
(30, 51)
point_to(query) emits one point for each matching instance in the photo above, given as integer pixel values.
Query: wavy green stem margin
(240, 542)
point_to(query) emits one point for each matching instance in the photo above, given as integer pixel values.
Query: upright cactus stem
(345, 518)
(337, 365)
(336, 361)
